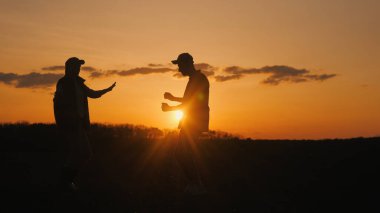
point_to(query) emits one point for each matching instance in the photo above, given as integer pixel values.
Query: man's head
(72, 66)
(185, 63)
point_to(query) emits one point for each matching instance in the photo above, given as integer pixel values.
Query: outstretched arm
(171, 97)
(98, 93)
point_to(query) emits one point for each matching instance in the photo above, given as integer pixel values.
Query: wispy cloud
(206, 69)
(155, 65)
(131, 72)
(31, 80)
(277, 74)
(222, 78)
(61, 68)
(53, 68)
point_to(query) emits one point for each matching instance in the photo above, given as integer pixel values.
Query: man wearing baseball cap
(72, 117)
(194, 105)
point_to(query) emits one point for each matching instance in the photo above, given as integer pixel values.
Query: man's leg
(184, 157)
(79, 154)
(69, 171)
(187, 152)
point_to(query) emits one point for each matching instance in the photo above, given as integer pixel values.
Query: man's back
(195, 100)
(70, 103)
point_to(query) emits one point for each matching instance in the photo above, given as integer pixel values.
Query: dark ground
(134, 171)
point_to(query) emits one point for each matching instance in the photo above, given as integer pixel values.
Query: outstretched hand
(165, 107)
(111, 87)
(169, 96)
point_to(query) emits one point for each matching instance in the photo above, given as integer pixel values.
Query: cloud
(207, 69)
(155, 65)
(277, 74)
(31, 80)
(7, 78)
(131, 72)
(97, 74)
(143, 71)
(222, 78)
(88, 68)
(59, 68)
(53, 68)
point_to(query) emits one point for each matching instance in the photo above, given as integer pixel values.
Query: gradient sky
(333, 47)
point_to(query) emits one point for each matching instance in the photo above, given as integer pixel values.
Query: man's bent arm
(171, 97)
(178, 99)
(178, 107)
(165, 107)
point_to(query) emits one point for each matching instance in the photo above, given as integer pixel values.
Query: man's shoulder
(80, 79)
(61, 81)
(202, 77)
(65, 79)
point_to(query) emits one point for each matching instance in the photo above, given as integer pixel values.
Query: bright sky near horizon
(278, 69)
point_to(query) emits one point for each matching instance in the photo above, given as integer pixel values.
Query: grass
(134, 170)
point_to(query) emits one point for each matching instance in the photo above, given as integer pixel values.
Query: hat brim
(81, 62)
(175, 62)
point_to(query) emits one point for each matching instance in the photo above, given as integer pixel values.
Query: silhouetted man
(72, 117)
(194, 105)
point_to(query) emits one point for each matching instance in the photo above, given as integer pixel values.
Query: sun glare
(178, 115)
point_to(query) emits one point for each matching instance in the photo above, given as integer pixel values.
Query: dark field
(134, 170)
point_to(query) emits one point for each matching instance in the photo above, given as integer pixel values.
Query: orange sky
(340, 38)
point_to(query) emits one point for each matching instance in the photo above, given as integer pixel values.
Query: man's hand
(111, 87)
(169, 96)
(165, 107)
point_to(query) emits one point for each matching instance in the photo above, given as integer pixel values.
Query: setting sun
(178, 115)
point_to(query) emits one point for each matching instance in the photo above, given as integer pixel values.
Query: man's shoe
(69, 187)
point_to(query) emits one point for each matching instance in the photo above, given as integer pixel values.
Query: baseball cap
(183, 57)
(74, 61)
